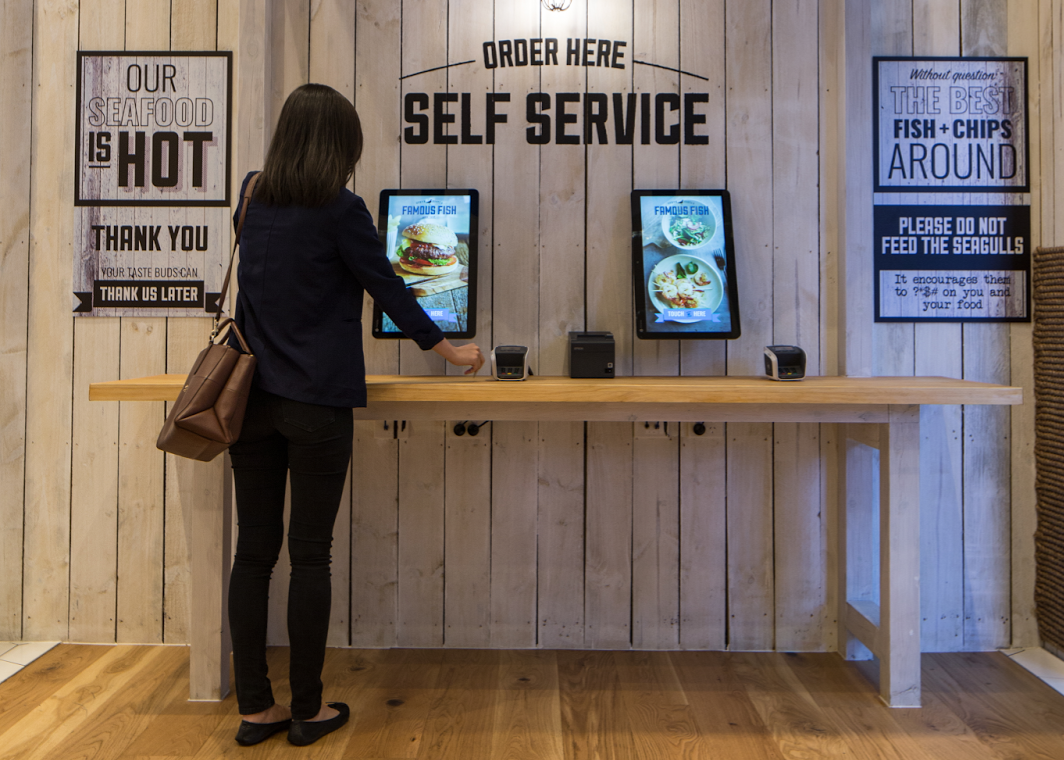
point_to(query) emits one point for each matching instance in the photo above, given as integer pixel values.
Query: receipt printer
(591, 354)
(509, 362)
(784, 362)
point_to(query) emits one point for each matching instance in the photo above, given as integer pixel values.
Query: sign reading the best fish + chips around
(950, 125)
(151, 228)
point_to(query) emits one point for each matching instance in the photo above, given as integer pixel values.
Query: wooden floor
(79, 702)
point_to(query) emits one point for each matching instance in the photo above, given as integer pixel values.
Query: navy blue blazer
(302, 274)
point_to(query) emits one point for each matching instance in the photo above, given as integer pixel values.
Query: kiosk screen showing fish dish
(684, 264)
(431, 240)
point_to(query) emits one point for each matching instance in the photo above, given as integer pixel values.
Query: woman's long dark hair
(314, 149)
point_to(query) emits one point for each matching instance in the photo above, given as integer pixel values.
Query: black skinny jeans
(313, 443)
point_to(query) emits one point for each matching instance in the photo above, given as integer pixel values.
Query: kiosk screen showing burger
(431, 240)
(684, 264)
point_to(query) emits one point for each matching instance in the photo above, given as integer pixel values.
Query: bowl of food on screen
(689, 230)
(685, 283)
(428, 248)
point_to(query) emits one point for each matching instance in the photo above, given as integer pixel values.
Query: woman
(308, 251)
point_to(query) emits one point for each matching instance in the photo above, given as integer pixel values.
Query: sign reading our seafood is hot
(151, 228)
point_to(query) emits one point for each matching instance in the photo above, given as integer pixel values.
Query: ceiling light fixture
(557, 5)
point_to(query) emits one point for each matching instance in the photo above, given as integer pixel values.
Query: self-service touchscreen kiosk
(430, 237)
(684, 264)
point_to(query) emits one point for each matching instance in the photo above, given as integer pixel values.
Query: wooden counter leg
(856, 569)
(211, 548)
(899, 557)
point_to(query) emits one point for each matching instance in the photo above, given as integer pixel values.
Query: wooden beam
(899, 559)
(862, 620)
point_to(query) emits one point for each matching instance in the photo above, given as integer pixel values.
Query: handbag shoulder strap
(245, 201)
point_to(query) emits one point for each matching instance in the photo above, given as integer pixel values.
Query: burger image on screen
(428, 248)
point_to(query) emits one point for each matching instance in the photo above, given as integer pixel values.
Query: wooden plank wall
(966, 452)
(16, 30)
(560, 535)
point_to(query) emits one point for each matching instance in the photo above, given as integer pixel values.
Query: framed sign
(951, 218)
(952, 263)
(152, 182)
(950, 125)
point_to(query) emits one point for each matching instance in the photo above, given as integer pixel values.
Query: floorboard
(130, 703)
(51, 672)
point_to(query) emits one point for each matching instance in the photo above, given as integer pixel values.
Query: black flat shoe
(304, 732)
(253, 733)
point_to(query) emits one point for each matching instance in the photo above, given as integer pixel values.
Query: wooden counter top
(629, 390)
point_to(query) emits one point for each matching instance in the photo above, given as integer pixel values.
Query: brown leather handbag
(209, 412)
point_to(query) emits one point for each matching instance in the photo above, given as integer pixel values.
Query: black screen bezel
(638, 278)
(474, 228)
